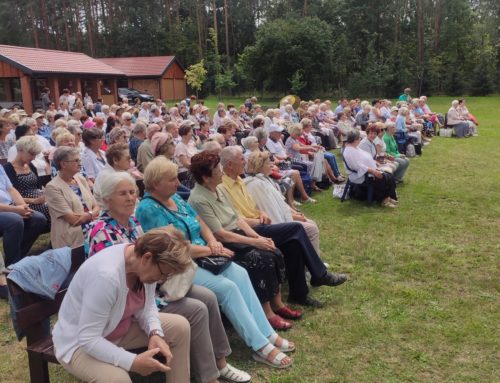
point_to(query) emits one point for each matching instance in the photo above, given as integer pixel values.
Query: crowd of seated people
(102, 176)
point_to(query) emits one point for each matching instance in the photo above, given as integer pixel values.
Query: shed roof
(153, 66)
(41, 61)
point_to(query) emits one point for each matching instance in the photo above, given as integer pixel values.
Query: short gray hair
(29, 144)
(109, 183)
(211, 146)
(247, 141)
(352, 136)
(261, 134)
(62, 153)
(229, 153)
(403, 111)
(139, 127)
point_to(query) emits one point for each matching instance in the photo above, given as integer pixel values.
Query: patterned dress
(28, 188)
(106, 231)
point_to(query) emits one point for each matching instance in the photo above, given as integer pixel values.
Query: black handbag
(216, 264)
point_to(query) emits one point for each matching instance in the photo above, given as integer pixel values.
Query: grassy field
(422, 302)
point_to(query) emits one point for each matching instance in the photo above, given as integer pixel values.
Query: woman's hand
(144, 363)
(23, 210)
(264, 243)
(215, 247)
(157, 341)
(297, 216)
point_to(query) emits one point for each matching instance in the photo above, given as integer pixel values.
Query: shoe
(388, 204)
(262, 355)
(297, 204)
(393, 201)
(307, 302)
(287, 313)
(278, 323)
(310, 200)
(232, 374)
(330, 279)
(340, 179)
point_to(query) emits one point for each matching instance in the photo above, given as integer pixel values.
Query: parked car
(132, 94)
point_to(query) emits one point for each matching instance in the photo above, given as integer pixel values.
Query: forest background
(311, 48)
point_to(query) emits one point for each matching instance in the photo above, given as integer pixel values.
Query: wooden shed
(161, 76)
(24, 72)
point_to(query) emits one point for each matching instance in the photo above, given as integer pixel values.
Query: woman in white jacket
(268, 198)
(110, 307)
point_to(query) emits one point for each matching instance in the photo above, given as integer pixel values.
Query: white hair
(403, 111)
(29, 144)
(229, 153)
(108, 186)
(454, 103)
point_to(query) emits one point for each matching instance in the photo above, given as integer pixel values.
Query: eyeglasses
(163, 275)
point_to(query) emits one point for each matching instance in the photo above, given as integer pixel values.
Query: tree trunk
(226, 25)
(420, 44)
(214, 7)
(199, 26)
(34, 26)
(437, 24)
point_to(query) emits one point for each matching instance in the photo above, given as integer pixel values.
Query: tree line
(337, 47)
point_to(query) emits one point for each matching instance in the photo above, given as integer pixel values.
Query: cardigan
(94, 305)
(62, 200)
(11, 173)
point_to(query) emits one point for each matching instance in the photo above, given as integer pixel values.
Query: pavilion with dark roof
(24, 72)
(161, 76)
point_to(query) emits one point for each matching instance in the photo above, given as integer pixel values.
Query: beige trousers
(312, 232)
(177, 336)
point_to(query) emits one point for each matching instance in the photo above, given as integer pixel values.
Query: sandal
(317, 189)
(262, 355)
(287, 313)
(278, 323)
(232, 374)
(285, 345)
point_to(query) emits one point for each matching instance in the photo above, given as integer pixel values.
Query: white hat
(275, 128)
(37, 115)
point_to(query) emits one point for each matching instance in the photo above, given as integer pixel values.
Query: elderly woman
(250, 144)
(232, 286)
(360, 165)
(468, 117)
(118, 136)
(118, 225)
(24, 176)
(457, 121)
(71, 203)
(257, 254)
(331, 167)
(40, 162)
(268, 198)
(118, 160)
(93, 158)
(391, 148)
(184, 151)
(110, 305)
(300, 153)
(20, 225)
(404, 128)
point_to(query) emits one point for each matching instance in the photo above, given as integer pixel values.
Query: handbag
(216, 264)
(177, 286)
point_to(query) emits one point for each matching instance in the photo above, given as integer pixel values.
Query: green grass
(421, 304)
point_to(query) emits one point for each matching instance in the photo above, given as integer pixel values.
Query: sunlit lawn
(422, 303)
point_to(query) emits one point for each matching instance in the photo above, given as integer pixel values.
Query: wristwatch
(155, 332)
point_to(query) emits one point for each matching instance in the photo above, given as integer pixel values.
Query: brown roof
(153, 66)
(37, 61)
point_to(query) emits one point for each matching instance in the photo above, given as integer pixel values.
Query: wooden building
(24, 72)
(161, 76)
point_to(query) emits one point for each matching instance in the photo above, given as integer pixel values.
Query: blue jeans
(19, 234)
(239, 303)
(332, 161)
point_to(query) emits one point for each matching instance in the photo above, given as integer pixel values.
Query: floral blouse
(106, 231)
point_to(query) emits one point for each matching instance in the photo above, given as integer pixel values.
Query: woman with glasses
(71, 203)
(93, 158)
(110, 308)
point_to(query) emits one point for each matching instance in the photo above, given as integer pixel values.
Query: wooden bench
(31, 314)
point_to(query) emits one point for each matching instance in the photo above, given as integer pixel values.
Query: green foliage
(297, 82)
(224, 81)
(196, 75)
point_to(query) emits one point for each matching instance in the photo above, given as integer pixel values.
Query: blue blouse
(151, 215)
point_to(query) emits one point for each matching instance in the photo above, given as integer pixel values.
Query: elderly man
(290, 238)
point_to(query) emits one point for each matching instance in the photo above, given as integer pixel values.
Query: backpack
(410, 151)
